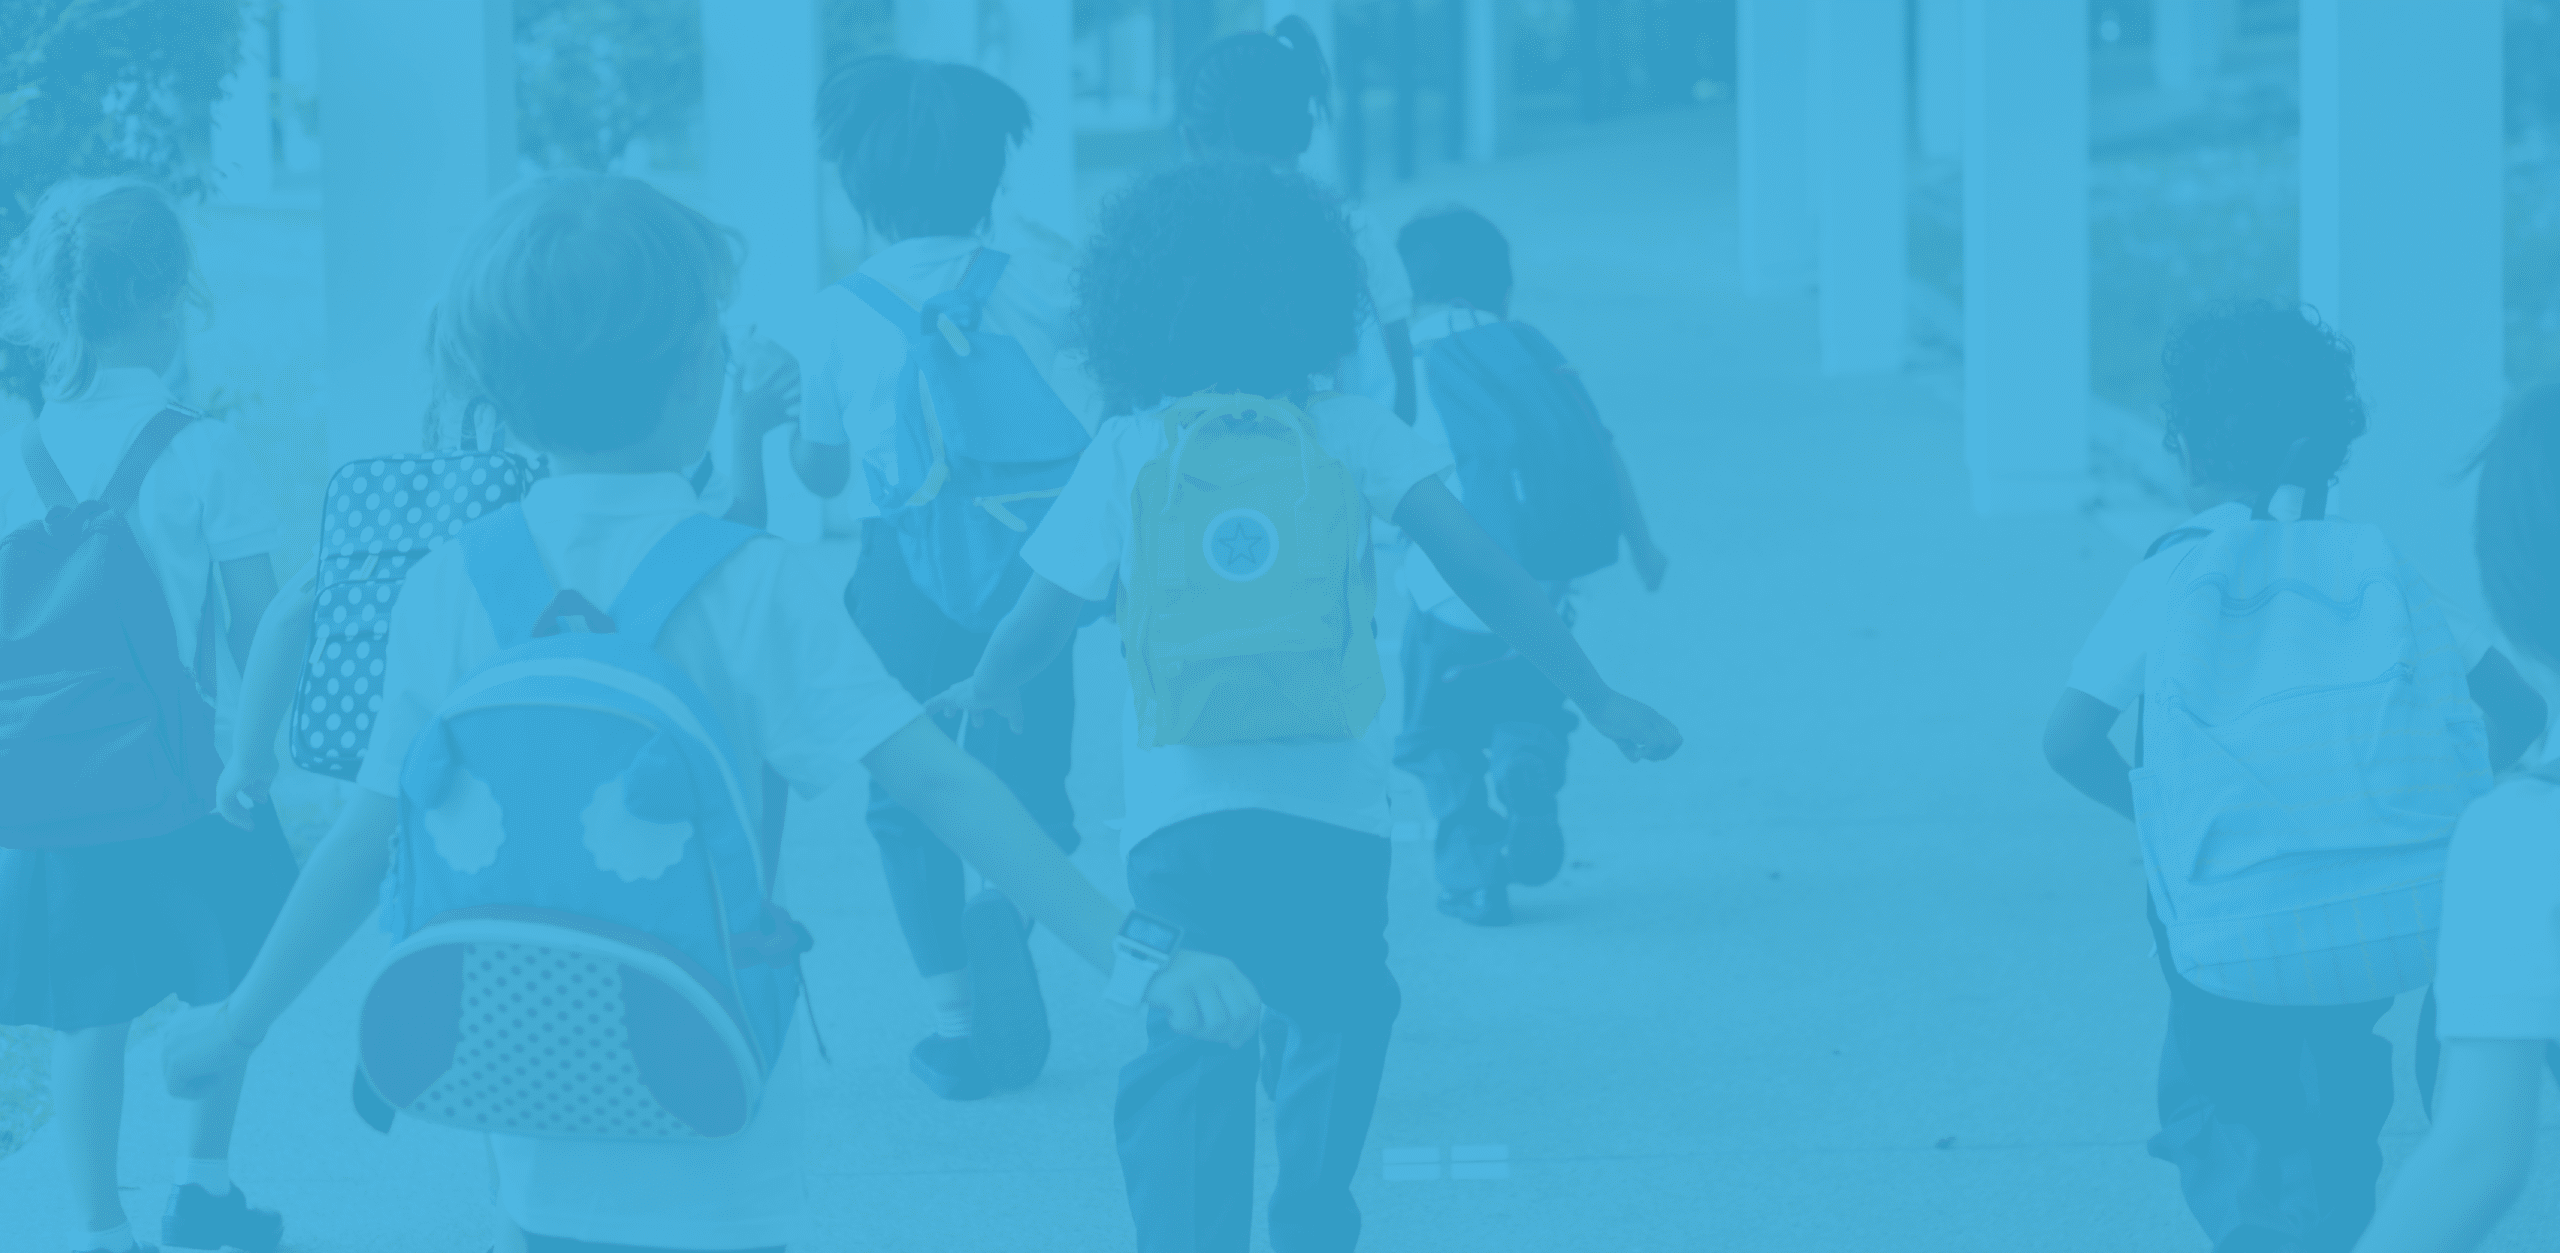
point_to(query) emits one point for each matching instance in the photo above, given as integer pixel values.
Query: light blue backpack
(585, 944)
(2308, 742)
(983, 447)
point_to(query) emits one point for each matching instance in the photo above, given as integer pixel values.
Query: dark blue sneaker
(949, 1066)
(199, 1222)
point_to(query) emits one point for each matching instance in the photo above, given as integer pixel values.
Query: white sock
(954, 1013)
(115, 1239)
(211, 1174)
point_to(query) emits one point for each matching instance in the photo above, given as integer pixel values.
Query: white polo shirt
(204, 501)
(1086, 540)
(2498, 957)
(796, 688)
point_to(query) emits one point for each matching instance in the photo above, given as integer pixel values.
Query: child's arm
(1041, 623)
(2473, 1163)
(764, 392)
(2077, 747)
(267, 684)
(1650, 563)
(248, 585)
(336, 892)
(2515, 713)
(973, 812)
(1512, 603)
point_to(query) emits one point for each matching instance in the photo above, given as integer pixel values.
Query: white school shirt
(2110, 664)
(1420, 579)
(1369, 371)
(767, 640)
(204, 501)
(850, 356)
(1085, 542)
(2498, 957)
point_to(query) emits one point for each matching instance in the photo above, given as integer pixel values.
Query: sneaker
(197, 1221)
(1012, 1021)
(948, 1066)
(1535, 852)
(1478, 907)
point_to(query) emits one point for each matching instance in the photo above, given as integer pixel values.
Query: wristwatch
(1145, 945)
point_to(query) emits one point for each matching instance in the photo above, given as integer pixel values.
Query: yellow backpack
(1247, 610)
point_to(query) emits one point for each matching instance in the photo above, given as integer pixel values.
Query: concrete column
(418, 125)
(1939, 43)
(244, 120)
(1037, 58)
(2186, 40)
(1860, 133)
(2026, 254)
(939, 30)
(760, 147)
(2402, 250)
(1485, 71)
(1776, 211)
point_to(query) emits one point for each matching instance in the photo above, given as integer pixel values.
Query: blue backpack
(983, 447)
(586, 946)
(1531, 453)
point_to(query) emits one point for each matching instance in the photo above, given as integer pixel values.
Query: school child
(1230, 508)
(953, 470)
(585, 313)
(110, 901)
(1542, 475)
(1254, 96)
(2294, 869)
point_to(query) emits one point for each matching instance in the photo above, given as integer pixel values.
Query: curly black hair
(2245, 382)
(2517, 531)
(1218, 275)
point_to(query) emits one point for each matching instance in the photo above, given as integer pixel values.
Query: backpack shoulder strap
(2174, 538)
(986, 269)
(50, 485)
(506, 570)
(674, 567)
(126, 486)
(900, 311)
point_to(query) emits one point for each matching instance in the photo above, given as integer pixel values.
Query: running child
(586, 314)
(921, 148)
(1229, 505)
(2498, 979)
(1541, 474)
(1253, 96)
(110, 902)
(2295, 870)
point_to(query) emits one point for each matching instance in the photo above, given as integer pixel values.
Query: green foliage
(2533, 68)
(858, 28)
(595, 76)
(100, 89)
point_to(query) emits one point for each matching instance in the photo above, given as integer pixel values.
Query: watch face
(1155, 933)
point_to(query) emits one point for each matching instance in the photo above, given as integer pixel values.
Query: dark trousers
(1301, 907)
(926, 652)
(1470, 704)
(2273, 1116)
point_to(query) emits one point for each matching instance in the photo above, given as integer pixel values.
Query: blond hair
(99, 258)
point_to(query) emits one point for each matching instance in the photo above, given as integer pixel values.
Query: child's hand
(243, 789)
(966, 699)
(1204, 996)
(764, 385)
(199, 1051)
(1641, 734)
(1650, 565)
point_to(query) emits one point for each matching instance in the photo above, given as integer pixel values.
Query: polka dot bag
(380, 517)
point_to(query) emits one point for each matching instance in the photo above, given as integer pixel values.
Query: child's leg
(1528, 751)
(1338, 1002)
(88, 1103)
(1442, 743)
(1185, 1115)
(2351, 1096)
